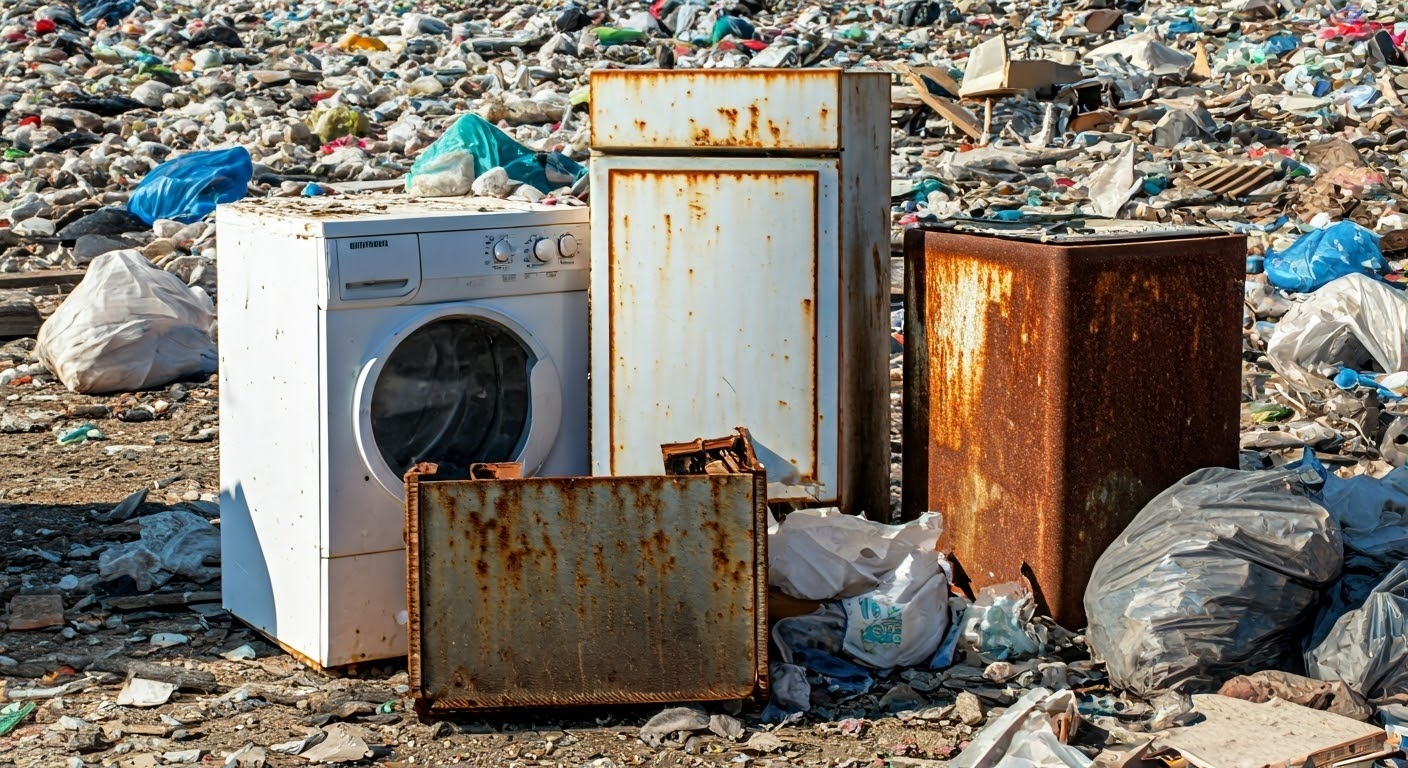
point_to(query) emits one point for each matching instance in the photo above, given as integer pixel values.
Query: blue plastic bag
(1344, 248)
(491, 148)
(189, 187)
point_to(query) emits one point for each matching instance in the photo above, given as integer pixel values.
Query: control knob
(545, 250)
(567, 246)
(503, 251)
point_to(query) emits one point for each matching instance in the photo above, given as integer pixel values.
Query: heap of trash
(123, 125)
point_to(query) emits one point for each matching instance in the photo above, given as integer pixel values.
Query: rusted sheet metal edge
(413, 479)
(606, 698)
(760, 581)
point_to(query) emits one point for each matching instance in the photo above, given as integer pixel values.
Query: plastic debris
(128, 326)
(1213, 579)
(188, 188)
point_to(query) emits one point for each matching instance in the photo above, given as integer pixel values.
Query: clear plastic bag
(1351, 322)
(1368, 647)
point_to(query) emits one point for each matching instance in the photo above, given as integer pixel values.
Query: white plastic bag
(901, 623)
(449, 175)
(1349, 322)
(821, 554)
(128, 326)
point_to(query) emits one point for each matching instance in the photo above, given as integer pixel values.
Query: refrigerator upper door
(773, 109)
(714, 305)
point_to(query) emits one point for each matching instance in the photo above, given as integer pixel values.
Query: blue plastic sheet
(107, 11)
(1319, 257)
(1281, 43)
(188, 188)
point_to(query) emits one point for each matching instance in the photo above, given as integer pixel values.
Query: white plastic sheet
(1023, 737)
(128, 326)
(822, 554)
(1349, 322)
(891, 579)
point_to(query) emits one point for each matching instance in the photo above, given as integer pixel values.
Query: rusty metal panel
(583, 591)
(1052, 389)
(714, 303)
(773, 109)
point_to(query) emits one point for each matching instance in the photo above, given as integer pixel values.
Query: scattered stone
(248, 756)
(35, 612)
(764, 743)
(901, 697)
(139, 692)
(343, 743)
(168, 639)
(968, 708)
(666, 726)
(726, 727)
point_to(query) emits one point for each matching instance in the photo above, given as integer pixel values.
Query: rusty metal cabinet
(739, 273)
(1053, 387)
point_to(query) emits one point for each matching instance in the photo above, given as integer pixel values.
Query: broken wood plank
(18, 318)
(193, 680)
(948, 109)
(159, 600)
(40, 277)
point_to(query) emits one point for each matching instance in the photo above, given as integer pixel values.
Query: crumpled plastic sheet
(1352, 322)
(1023, 737)
(1216, 577)
(174, 542)
(821, 554)
(998, 625)
(1368, 647)
(1318, 257)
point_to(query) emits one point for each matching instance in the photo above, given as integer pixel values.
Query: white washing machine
(359, 336)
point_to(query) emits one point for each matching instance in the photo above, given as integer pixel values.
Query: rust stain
(1125, 355)
(693, 539)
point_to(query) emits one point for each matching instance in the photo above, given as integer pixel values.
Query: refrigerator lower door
(714, 305)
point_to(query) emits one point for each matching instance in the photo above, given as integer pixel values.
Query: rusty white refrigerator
(739, 277)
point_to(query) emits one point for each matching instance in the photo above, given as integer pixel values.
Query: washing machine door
(458, 386)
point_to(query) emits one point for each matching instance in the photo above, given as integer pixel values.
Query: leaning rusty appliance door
(585, 591)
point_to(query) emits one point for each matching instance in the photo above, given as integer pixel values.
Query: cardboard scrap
(1242, 734)
(1101, 20)
(1202, 66)
(953, 112)
(991, 72)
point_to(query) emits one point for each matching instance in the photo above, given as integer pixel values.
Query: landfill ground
(1281, 121)
(51, 496)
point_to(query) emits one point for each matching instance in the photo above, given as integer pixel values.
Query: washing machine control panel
(497, 262)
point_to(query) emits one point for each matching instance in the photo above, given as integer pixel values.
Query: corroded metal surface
(581, 591)
(749, 109)
(1052, 390)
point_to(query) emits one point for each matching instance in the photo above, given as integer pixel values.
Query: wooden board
(1241, 734)
(40, 277)
(18, 318)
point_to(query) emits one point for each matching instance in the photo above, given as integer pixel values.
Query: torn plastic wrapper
(1352, 322)
(1368, 647)
(1025, 736)
(1114, 183)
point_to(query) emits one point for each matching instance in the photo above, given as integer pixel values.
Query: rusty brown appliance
(1057, 378)
(585, 591)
